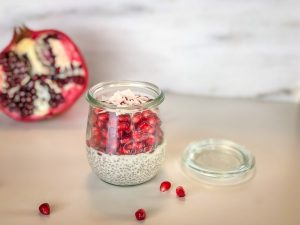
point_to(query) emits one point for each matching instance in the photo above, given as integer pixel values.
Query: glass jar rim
(124, 83)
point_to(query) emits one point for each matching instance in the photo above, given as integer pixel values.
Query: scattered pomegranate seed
(44, 209)
(180, 191)
(164, 186)
(140, 214)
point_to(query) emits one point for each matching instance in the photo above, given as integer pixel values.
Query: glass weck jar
(124, 139)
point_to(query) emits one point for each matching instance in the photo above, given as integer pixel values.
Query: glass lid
(218, 161)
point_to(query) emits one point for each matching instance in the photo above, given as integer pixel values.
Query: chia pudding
(125, 147)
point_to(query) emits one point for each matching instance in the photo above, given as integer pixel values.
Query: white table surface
(46, 162)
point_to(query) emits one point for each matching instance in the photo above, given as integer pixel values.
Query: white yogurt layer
(126, 169)
(125, 98)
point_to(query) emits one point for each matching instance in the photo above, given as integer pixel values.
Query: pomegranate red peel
(42, 74)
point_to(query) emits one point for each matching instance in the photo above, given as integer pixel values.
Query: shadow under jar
(124, 139)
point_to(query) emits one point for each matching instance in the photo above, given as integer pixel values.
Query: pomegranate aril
(144, 127)
(138, 146)
(140, 214)
(94, 141)
(125, 139)
(164, 186)
(152, 121)
(103, 143)
(147, 113)
(150, 140)
(119, 133)
(44, 209)
(137, 136)
(101, 123)
(124, 151)
(124, 126)
(136, 118)
(129, 145)
(95, 131)
(104, 132)
(152, 130)
(124, 118)
(103, 116)
(180, 191)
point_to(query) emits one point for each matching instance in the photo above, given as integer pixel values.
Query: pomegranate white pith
(42, 73)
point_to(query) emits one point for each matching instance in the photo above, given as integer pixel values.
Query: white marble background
(231, 48)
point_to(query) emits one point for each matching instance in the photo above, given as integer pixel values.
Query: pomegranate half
(42, 73)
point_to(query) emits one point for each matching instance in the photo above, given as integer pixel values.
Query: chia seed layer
(126, 169)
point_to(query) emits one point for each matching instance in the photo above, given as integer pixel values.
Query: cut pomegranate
(140, 214)
(180, 191)
(44, 209)
(42, 74)
(164, 186)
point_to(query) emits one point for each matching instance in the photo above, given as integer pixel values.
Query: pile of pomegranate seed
(124, 134)
(44, 209)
